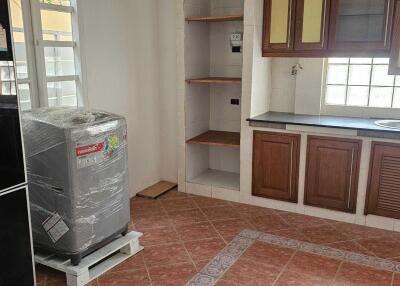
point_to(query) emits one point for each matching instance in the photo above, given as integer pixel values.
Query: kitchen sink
(394, 124)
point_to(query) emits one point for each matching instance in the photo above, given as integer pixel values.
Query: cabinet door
(312, 21)
(16, 265)
(279, 23)
(394, 66)
(361, 25)
(332, 173)
(276, 165)
(383, 195)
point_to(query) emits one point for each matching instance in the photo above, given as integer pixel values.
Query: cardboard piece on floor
(157, 190)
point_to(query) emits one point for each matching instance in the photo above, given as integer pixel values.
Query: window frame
(352, 111)
(35, 45)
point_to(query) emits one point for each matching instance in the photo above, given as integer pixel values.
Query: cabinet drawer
(332, 173)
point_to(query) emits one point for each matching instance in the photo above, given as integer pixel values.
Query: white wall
(125, 62)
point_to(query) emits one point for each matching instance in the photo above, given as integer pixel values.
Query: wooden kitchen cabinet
(276, 165)
(359, 26)
(383, 194)
(332, 173)
(324, 28)
(279, 24)
(312, 23)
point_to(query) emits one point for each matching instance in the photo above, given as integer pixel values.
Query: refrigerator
(16, 263)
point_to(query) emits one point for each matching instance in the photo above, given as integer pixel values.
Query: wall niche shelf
(217, 138)
(211, 83)
(225, 18)
(208, 80)
(219, 179)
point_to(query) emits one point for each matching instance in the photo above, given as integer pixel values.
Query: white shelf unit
(207, 54)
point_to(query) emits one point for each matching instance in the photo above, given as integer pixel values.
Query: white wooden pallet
(97, 263)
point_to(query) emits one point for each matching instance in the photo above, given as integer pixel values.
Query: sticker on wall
(3, 39)
(55, 227)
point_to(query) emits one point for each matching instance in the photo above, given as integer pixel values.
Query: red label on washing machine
(89, 149)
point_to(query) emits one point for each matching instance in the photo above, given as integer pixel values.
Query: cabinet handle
(324, 24)
(351, 178)
(291, 170)
(290, 23)
(387, 21)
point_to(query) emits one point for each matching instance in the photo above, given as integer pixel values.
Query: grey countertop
(354, 123)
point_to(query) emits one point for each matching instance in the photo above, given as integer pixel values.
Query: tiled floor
(182, 233)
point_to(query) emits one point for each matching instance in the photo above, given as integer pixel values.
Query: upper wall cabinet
(279, 23)
(361, 26)
(311, 32)
(320, 28)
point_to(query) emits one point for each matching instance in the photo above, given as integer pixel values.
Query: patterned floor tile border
(217, 267)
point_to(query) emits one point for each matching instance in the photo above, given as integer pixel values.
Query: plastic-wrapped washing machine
(77, 165)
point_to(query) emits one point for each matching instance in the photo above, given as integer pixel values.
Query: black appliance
(16, 263)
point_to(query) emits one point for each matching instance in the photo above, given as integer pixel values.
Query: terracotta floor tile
(231, 227)
(224, 282)
(290, 278)
(196, 231)
(248, 211)
(151, 221)
(165, 254)
(205, 202)
(159, 236)
(396, 279)
(250, 273)
(268, 223)
(128, 278)
(152, 210)
(220, 213)
(57, 283)
(295, 219)
(133, 263)
(40, 274)
(145, 204)
(178, 204)
(351, 246)
(265, 253)
(323, 234)
(172, 195)
(291, 234)
(186, 217)
(204, 249)
(356, 275)
(172, 275)
(382, 247)
(313, 265)
(355, 231)
(200, 264)
(54, 275)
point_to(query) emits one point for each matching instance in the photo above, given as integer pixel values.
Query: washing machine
(77, 166)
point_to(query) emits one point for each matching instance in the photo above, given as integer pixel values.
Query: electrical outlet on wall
(236, 42)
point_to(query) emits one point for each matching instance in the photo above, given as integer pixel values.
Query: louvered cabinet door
(276, 165)
(332, 173)
(384, 180)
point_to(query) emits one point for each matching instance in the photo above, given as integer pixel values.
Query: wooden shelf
(215, 80)
(219, 179)
(217, 138)
(225, 18)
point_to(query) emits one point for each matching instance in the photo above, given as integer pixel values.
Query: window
(361, 82)
(47, 65)
(7, 78)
